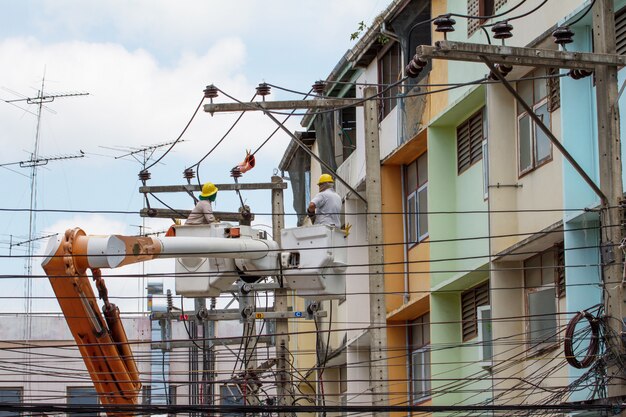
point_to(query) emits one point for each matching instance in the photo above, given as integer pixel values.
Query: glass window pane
(525, 89)
(82, 396)
(543, 147)
(417, 339)
(532, 272)
(525, 144)
(422, 169)
(486, 334)
(411, 177)
(423, 209)
(230, 395)
(10, 396)
(540, 86)
(411, 209)
(542, 311)
(547, 271)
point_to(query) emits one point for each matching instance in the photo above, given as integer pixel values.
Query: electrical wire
(581, 17)
(178, 138)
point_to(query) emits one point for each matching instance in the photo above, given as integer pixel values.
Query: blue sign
(298, 313)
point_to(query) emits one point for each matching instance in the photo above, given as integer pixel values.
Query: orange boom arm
(100, 337)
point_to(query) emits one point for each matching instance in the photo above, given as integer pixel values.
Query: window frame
(482, 322)
(551, 283)
(414, 213)
(423, 385)
(91, 390)
(388, 99)
(20, 394)
(535, 162)
(472, 142)
(475, 305)
(419, 354)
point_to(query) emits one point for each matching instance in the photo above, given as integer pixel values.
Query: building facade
(491, 238)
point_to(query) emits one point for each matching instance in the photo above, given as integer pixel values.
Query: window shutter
(468, 315)
(499, 3)
(560, 271)
(554, 95)
(463, 147)
(470, 141)
(620, 31)
(472, 10)
(470, 301)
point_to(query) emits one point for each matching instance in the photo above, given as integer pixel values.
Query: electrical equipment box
(204, 277)
(314, 261)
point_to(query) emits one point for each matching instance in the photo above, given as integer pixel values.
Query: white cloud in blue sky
(145, 63)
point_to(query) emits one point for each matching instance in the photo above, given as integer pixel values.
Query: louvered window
(480, 8)
(620, 31)
(469, 141)
(560, 270)
(554, 95)
(470, 301)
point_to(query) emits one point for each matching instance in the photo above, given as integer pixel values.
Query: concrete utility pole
(611, 184)
(379, 379)
(284, 388)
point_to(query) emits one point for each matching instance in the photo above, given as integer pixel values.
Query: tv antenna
(33, 163)
(142, 155)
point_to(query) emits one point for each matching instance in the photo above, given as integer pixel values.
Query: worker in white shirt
(202, 213)
(326, 205)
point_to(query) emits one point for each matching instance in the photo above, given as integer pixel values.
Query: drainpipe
(384, 31)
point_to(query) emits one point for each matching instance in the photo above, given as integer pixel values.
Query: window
(388, 72)
(345, 138)
(620, 31)
(420, 358)
(481, 8)
(230, 395)
(82, 396)
(146, 394)
(469, 141)
(416, 183)
(470, 301)
(485, 334)
(10, 396)
(534, 147)
(542, 277)
(343, 386)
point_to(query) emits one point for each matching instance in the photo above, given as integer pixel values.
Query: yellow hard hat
(208, 189)
(324, 178)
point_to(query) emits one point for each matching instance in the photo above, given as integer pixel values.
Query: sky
(144, 64)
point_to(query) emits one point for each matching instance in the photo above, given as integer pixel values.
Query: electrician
(325, 207)
(202, 213)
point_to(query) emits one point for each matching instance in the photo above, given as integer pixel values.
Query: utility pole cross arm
(512, 55)
(318, 104)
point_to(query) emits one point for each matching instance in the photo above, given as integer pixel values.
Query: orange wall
(393, 232)
(397, 366)
(419, 279)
